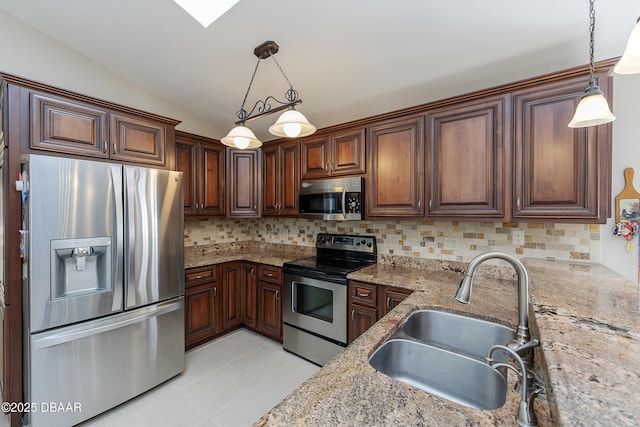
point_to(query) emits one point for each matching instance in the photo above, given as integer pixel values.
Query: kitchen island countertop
(585, 315)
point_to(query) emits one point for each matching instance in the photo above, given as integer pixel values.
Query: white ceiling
(348, 59)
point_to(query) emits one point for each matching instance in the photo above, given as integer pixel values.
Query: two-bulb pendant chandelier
(290, 124)
(593, 108)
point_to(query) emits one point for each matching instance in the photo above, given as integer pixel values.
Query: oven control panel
(346, 242)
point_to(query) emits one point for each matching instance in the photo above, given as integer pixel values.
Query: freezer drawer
(102, 363)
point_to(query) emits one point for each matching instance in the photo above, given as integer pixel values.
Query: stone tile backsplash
(442, 240)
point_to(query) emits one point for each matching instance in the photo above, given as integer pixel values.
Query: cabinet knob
(430, 204)
(518, 203)
(269, 274)
(277, 294)
(115, 148)
(353, 314)
(215, 291)
(104, 146)
(388, 303)
(199, 277)
(253, 271)
(419, 204)
(363, 293)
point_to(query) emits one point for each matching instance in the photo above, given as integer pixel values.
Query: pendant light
(291, 123)
(593, 108)
(630, 61)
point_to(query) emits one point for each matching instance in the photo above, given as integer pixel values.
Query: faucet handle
(519, 347)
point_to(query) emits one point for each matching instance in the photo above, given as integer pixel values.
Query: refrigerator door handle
(102, 326)
(117, 262)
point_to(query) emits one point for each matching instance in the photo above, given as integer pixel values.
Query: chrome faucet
(529, 385)
(521, 344)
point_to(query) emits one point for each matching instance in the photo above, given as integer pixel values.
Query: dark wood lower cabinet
(368, 303)
(389, 298)
(362, 318)
(245, 294)
(270, 309)
(248, 295)
(231, 294)
(202, 305)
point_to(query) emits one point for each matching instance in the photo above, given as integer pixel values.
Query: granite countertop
(585, 315)
(276, 255)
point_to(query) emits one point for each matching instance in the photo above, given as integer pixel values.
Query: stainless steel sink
(461, 334)
(447, 374)
(444, 354)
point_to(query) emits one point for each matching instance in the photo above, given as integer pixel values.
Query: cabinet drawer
(199, 275)
(363, 293)
(270, 274)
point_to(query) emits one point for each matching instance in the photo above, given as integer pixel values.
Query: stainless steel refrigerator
(103, 281)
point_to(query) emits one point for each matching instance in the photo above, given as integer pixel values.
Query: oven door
(316, 306)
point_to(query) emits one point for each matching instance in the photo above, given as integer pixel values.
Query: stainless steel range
(315, 295)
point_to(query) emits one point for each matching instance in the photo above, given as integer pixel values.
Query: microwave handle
(344, 203)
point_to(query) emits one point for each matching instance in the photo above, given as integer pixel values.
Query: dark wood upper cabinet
(395, 187)
(560, 173)
(466, 159)
(203, 164)
(68, 127)
(340, 153)
(280, 178)
(137, 140)
(71, 126)
(244, 183)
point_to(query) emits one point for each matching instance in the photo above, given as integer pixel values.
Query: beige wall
(30, 54)
(626, 153)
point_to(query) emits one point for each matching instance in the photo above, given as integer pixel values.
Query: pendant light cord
(592, 29)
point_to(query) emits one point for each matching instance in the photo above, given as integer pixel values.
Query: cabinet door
(231, 294)
(362, 318)
(395, 187)
(466, 158)
(560, 172)
(64, 126)
(201, 313)
(347, 152)
(289, 157)
(270, 309)
(211, 175)
(137, 140)
(270, 180)
(248, 295)
(315, 156)
(186, 162)
(391, 297)
(243, 183)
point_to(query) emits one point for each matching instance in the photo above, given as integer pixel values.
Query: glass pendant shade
(630, 61)
(241, 137)
(291, 124)
(592, 110)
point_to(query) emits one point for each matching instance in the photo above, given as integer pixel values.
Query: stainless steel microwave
(339, 199)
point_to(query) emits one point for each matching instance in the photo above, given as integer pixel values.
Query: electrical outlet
(517, 237)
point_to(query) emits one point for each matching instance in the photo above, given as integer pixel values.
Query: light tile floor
(231, 381)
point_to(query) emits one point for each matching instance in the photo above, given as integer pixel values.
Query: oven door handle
(344, 203)
(293, 296)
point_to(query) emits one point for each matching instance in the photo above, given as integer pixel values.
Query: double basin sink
(444, 354)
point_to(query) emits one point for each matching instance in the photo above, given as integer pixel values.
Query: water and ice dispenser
(80, 266)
